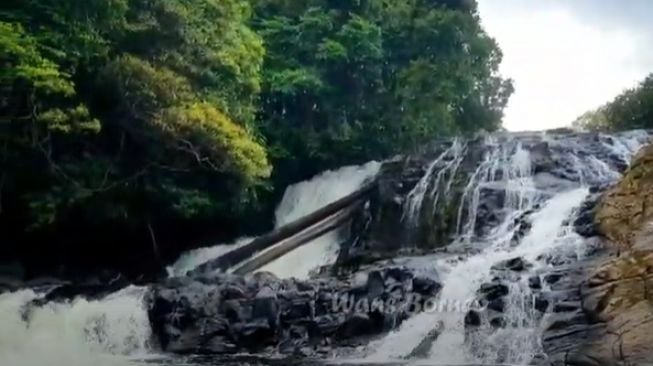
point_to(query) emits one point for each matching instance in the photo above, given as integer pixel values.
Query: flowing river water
(115, 331)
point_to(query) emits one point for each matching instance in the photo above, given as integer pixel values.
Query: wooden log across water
(288, 245)
(263, 242)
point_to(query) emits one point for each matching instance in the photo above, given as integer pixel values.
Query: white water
(434, 186)
(306, 197)
(115, 331)
(298, 201)
(80, 333)
(551, 234)
(193, 258)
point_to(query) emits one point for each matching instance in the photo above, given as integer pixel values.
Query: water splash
(298, 201)
(306, 197)
(79, 333)
(507, 167)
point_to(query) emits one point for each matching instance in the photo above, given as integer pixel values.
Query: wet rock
(473, 319)
(229, 314)
(541, 304)
(498, 322)
(357, 324)
(565, 307)
(493, 291)
(426, 286)
(584, 223)
(515, 264)
(498, 305)
(552, 278)
(535, 282)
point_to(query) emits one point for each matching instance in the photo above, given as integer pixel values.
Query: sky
(568, 56)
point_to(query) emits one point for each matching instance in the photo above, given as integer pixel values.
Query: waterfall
(115, 330)
(298, 201)
(507, 166)
(451, 158)
(303, 198)
(79, 333)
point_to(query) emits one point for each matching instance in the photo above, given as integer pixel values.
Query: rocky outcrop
(625, 209)
(605, 303)
(228, 314)
(422, 201)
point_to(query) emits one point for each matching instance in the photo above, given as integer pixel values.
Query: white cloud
(561, 66)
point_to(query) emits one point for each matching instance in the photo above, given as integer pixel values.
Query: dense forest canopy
(142, 126)
(631, 109)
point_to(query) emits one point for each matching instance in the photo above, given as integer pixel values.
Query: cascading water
(115, 330)
(303, 198)
(548, 209)
(298, 201)
(79, 333)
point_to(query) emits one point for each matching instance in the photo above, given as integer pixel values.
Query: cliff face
(614, 292)
(626, 209)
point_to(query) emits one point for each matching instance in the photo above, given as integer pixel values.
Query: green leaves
(214, 141)
(632, 109)
(131, 112)
(22, 62)
(361, 80)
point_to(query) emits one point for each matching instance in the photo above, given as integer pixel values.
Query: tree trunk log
(285, 246)
(263, 242)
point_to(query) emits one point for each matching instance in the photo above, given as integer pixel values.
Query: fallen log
(288, 245)
(263, 242)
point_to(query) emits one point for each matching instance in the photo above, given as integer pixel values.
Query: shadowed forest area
(131, 130)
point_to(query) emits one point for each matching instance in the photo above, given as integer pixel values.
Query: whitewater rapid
(550, 212)
(298, 201)
(114, 331)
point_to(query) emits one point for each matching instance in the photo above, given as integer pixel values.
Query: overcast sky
(568, 56)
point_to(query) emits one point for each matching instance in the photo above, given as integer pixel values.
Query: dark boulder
(515, 264)
(493, 291)
(261, 313)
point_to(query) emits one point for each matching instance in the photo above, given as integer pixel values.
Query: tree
(346, 82)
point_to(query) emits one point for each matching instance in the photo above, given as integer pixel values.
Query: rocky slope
(226, 314)
(610, 321)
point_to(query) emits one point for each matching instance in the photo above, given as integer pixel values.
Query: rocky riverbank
(610, 321)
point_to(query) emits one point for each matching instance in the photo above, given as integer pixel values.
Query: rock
(375, 284)
(515, 264)
(498, 322)
(493, 291)
(265, 306)
(227, 314)
(541, 304)
(535, 283)
(552, 278)
(497, 305)
(606, 317)
(565, 307)
(356, 325)
(472, 319)
(426, 286)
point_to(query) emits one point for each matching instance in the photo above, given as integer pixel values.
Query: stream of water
(115, 331)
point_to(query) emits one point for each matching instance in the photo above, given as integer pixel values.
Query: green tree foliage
(150, 123)
(133, 114)
(631, 109)
(347, 81)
